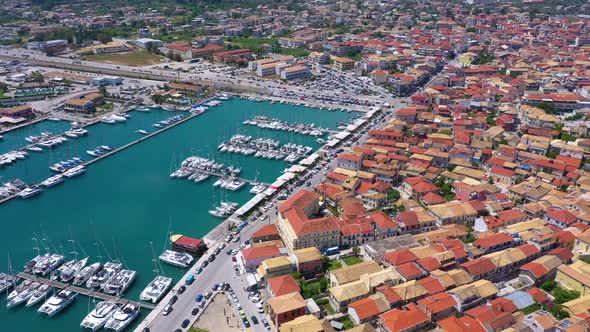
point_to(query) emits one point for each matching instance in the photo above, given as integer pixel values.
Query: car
(195, 311)
(178, 330)
(185, 323)
(146, 329)
(205, 263)
(259, 307)
(211, 258)
(228, 238)
(228, 252)
(242, 314)
(235, 252)
(167, 310)
(236, 239)
(264, 322)
(199, 270)
(214, 287)
(242, 246)
(208, 295)
(217, 251)
(202, 304)
(239, 305)
(254, 320)
(173, 300)
(246, 323)
(181, 289)
(199, 298)
(222, 245)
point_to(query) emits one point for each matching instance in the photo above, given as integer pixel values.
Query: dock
(84, 291)
(220, 175)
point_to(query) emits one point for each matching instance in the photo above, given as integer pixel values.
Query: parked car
(198, 298)
(167, 310)
(254, 320)
(185, 323)
(181, 289)
(195, 311)
(208, 295)
(173, 300)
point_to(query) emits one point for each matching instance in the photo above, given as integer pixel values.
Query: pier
(84, 291)
(252, 182)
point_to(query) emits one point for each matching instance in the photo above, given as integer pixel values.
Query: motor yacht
(57, 302)
(75, 171)
(44, 267)
(52, 181)
(30, 191)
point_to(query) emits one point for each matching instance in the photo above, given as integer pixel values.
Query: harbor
(101, 197)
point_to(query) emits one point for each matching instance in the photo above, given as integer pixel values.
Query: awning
(296, 169)
(309, 160)
(250, 204)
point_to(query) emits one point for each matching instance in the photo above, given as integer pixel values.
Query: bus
(332, 251)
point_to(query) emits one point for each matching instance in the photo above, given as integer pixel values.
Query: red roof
(365, 308)
(463, 324)
(261, 252)
(432, 285)
(265, 231)
(399, 257)
(539, 295)
(300, 200)
(282, 285)
(560, 215)
(429, 263)
(479, 266)
(438, 303)
(529, 249)
(389, 293)
(536, 269)
(400, 320)
(409, 271)
(493, 240)
(188, 242)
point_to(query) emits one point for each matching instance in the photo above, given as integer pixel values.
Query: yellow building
(274, 267)
(574, 277)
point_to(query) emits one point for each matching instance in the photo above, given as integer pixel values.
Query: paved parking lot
(219, 316)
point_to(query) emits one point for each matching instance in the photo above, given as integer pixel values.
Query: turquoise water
(127, 200)
(15, 139)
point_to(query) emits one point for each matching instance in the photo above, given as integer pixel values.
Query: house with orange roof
(285, 308)
(438, 306)
(410, 319)
(494, 242)
(368, 309)
(282, 285)
(463, 324)
(266, 233)
(251, 258)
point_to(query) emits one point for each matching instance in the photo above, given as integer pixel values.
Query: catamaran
(52, 181)
(68, 273)
(176, 258)
(57, 302)
(49, 264)
(122, 317)
(83, 275)
(119, 282)
(100, 278)
(98, 317)
(156, 289)
(30, 191)
(24, 295)
(6, 281)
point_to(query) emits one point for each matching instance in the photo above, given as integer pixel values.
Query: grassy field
(351, 260)
(334, 265)
(134, 58)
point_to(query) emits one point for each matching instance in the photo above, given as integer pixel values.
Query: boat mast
(167, 234)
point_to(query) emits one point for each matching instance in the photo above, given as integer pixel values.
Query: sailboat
(159, 286)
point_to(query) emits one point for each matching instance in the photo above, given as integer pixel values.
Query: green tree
(356, 251)
(393, 195)
(548, 108)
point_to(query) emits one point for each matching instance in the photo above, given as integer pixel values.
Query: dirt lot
(219, 316)
(135, 58)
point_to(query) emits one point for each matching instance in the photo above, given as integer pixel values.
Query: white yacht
(30, 192)
(235, 185)
(55, 274)
(257, 189)
(156, 289)
(122, 317)
(34, 148)
(6, 281)
(98, 317)
(57, 302)
(74, 171)
(119, 282)
(100, 278)
(217, 213)
(24, 295)
(39, 294)
(219, 182)
(19, 289)
(176, 258)
(52, 181)
(83, 275)
(68, 273)
(31, 264)
(49, 264)
(201, 177)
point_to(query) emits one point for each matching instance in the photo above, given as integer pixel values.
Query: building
(205, 51)
(251, 258)
(187, 88)
(352, 273)
(574, 277)
(266, 233)
(274, 267)
(453, 212)
(320, 58)
(112, 47)
(295, 73)
(106, 81)
(408, 320)
(286, 308)
(343, 63)
(148, 43)
(23, 111)
(282, 285)
(85, 104)
(308, 261)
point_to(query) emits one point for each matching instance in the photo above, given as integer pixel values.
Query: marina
(80, 290)
(111, 182)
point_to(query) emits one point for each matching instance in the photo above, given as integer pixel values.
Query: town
(426, 164)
